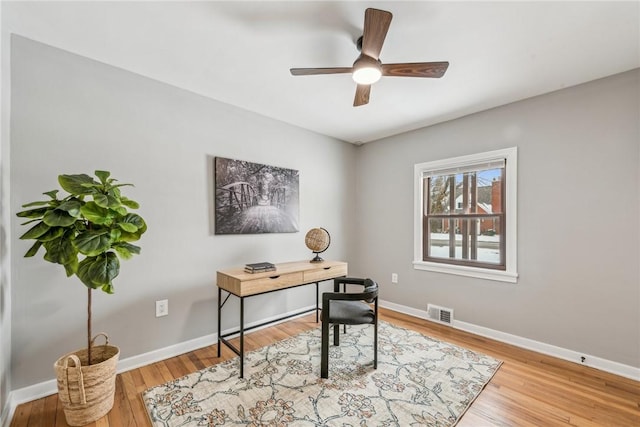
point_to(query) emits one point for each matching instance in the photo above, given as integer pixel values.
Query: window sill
(480, 273)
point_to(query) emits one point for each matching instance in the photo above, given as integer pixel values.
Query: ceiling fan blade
(376, 25)
(362, 95)
(314, 71)
(415, 69)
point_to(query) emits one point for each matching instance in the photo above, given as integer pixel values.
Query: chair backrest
(369, 292)
(371, 288)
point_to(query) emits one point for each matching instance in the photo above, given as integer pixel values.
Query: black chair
(342, 308)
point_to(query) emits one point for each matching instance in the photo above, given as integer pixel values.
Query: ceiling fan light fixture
(366, 75)
(366, 70)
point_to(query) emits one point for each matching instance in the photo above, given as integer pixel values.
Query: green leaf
(99, 271)
(138, 222)
(115, 191)
(132, 204)
(84, 275)
(106, 200)
(103, 176)
(116, 187)
(33, 213)
(77, 184)
(61, 250)
(51, 234)
(40, 203)
(72, 207)
(53, 194)
(93, 242)
(71, 268)
(33, 249)
(128, 227)
(58, 218)
(108, 288)
(115, 234)
(36, 231)
(121, 210)
(126, 250)
(96, 214)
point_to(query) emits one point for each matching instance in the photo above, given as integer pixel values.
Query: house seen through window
(465, 214)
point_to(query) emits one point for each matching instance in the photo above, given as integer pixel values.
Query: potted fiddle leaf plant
(86, 232)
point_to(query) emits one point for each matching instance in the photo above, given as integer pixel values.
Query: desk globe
(318, 240)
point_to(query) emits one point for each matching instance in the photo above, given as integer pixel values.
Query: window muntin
(484, 242)
(464, 216)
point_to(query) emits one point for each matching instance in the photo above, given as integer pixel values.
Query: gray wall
(578, 218)
(74, 115)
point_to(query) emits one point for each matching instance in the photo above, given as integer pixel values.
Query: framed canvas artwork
(252, 198)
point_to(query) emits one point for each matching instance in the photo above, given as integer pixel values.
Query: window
(465, 215)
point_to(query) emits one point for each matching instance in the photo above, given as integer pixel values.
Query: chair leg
(324, 352)
(336, 334)
(375, 345)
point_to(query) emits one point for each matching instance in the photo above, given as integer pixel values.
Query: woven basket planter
(87, 392)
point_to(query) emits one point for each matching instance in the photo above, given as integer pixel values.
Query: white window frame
(510, 274)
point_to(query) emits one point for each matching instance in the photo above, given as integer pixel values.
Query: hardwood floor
(530, 389)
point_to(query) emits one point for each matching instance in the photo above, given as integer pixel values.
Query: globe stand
(317, 258)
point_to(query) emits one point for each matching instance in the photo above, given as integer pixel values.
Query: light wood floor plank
(121, 412)
(21, 415)
(176, 367)
(36, 418)
(49, 411)
(164, 372)
(134, 401)
(530, 389)
(187, 362)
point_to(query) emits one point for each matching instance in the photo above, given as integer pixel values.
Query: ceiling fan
(367, 69)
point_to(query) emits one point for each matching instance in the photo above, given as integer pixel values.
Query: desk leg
(317, 300)
(219, 318)
(241, 337)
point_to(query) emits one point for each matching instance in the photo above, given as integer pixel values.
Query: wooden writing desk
(287, 275)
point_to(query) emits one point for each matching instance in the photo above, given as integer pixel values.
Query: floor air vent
(440, 314)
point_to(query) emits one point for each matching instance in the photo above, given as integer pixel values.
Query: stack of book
(259, 267)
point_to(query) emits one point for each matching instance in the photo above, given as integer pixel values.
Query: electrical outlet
(162, 308)
(394, 277)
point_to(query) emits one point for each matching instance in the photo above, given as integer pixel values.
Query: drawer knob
(274, 277)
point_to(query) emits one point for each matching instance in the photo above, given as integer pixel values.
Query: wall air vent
(440, 314)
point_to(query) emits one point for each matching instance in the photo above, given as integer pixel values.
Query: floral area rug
(419, 381)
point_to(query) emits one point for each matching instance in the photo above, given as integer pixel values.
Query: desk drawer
(325, 273)
(270, 283)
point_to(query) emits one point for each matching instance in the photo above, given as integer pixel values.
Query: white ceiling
(240, 52)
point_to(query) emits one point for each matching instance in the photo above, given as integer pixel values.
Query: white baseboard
(540, 347)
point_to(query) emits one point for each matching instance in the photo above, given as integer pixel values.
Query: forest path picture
(252, 198)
